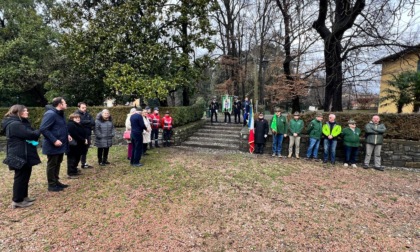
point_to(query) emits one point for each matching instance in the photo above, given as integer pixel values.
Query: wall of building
(407, 63)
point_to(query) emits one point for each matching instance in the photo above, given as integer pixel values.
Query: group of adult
(238, 107)
(72, 137)
(329, 132)
(142, 128)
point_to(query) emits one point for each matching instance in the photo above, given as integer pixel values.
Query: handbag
(127, 135)
(14, 162)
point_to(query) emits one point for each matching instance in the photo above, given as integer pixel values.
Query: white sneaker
(345, 164)
(280, 156)
(274, 154)
(354, 165)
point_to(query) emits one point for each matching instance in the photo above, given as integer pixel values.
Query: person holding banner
(261, 133)
(227, 107)
(279, 130)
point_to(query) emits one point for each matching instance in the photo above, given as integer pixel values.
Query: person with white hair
(374, 140)
(128, 130)
(104, 132)
(331, 130)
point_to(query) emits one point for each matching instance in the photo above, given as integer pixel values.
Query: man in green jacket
(314, 131)
(331, 131)
(351, 139)
(295, 129)
(374, 140)
(279, 129)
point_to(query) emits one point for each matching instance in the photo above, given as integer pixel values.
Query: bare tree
(347, 26)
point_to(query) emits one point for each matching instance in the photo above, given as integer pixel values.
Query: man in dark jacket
(261, 131)
(214, 107)
(374, 140)
(137, 128)
(88, 123)
(246, 107)
(237, 106)
(55, 144)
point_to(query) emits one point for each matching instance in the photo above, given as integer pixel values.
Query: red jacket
(167, 122)
(155, 121)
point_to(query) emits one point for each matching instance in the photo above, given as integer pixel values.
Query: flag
(274, 124)
(251, 130)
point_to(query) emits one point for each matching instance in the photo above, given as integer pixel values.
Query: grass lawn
(192, 200)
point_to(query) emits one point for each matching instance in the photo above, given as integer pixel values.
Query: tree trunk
(334, 76)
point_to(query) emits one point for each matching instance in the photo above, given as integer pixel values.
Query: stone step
(214, 139)
(216, 131)
(217, 135)
(221, 124)
(211, 145)
(208, 126)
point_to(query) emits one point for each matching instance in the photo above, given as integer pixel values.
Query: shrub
(181, 115)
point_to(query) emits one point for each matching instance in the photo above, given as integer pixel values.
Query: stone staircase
(216, 136)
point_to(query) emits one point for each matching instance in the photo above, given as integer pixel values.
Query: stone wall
(395, 153)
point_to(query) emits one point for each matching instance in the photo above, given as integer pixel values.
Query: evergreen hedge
(180, 115)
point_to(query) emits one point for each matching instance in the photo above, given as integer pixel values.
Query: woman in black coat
(21, 142)
(76, 147)
(261, 131)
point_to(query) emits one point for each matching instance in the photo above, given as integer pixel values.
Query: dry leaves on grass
(187, 200)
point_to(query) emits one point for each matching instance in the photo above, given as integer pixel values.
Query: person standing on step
(246, 108)
(351, 140)
(331, 131)
(227, 109)
(78, 133)
(104, 132)
(314, 131)
(237, 106)
(137, 128)
(56, 140)
(279, 130)
(261, 133)
(214, 107)
(155, 127)
(21, 142)
(88, 123)
(295, 129)
(167, 123)
(374, 140)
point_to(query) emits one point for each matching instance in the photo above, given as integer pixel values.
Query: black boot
(157, 144)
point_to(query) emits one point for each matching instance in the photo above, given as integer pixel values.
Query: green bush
(180, 115)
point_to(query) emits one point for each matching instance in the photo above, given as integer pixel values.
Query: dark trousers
(154, 137)
(85, 151)
(259, 148)
(237, 114)
(72, 161)
(103, 155)
(211, 116)
(53, 168)
(351, 154)
(167, 137)
(144, 148)
(20, 183)
(227, 115)
(137, 141)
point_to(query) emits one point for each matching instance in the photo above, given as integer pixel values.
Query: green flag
(274, 123)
